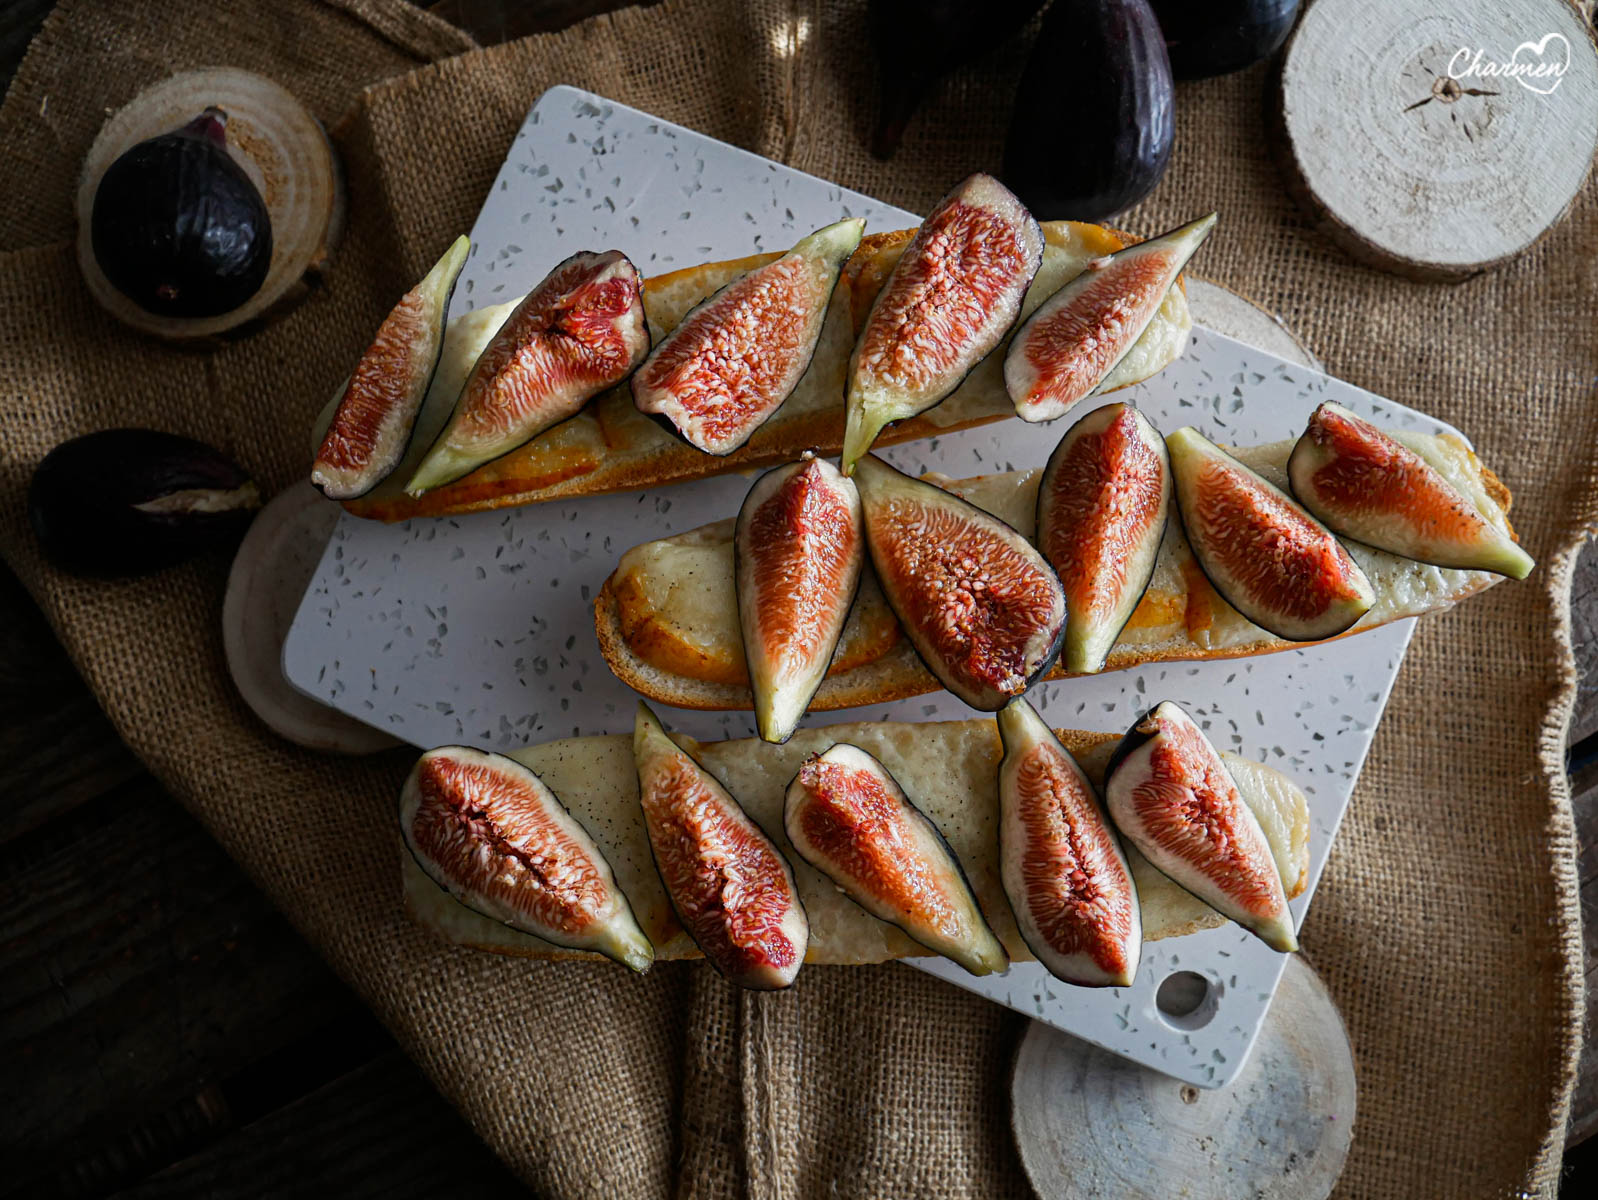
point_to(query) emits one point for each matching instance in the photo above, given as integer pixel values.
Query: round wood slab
(274, 564)
(282, 148)
(1225, 311)
(1437, 140)
(1091, 1124)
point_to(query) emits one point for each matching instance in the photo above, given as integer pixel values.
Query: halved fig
(1062, 867)
(1367, 485)
(372, 425)
(848, 818)
(740, 353)
(1103, 503)
(1266, 556)
(1064, 350)
(729, 885)
(1170, 794)
(580, 331)
(492, 834)
(952, 296)
(798, 549)
(981, 606)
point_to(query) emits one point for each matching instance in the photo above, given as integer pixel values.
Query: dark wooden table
(163, 1032)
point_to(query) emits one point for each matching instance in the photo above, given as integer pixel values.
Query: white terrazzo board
(478, 629)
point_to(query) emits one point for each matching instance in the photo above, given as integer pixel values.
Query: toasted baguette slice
(950, 769)
(667, 617)
(611, 447)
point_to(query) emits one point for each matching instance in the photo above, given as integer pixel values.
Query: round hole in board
(1186, 1000)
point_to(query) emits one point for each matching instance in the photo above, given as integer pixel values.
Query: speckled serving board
(478, 629)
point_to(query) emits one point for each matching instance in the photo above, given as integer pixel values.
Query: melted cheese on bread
(948, 768)
(675, 605)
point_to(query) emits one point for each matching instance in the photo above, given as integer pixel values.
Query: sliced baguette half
(949, 768)
(611, 447)
(667, 623)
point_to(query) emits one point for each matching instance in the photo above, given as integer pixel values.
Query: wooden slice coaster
(274, 564)
(1090, 1124)
(1225, 311)
(286, 154)
(1437, 140)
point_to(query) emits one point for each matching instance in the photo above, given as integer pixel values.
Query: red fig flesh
(372, 425)
(981, 606)
(488, 831)
(1266, 556)
(1103, 503)
(1068, 882)
(1169, 793)
(730, 886)
(1064, 350)
(580, 331)
(739, 354)
(1368, 485)
(849, 819)
(952, 296)
(799, 547)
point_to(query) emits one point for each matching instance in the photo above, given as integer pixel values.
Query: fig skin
(1319, 591)
(580, 331)
(178, 227)
(978, 236)
(1222, 36)
(1067, 348)
(1104, 62)
(731, 888)
(725, 364)
(918, 42)
(889, 836)
(1340, 452)
(1006, 637)
(1209, 843)
(125, 502)
(1079, 874)
(795, 591)
(494, 816)
(1087, 531)
(372, 426)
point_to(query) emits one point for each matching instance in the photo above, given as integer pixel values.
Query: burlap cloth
(1446, 925)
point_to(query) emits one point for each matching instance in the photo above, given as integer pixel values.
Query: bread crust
(679, 675)
(602, 449)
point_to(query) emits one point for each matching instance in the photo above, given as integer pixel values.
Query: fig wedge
(740, 353)
(1367, 485)
(981, 606)
(1103, 504)
(1068, 882)
(729, 885)
(1266, 556)
(798, 549)
(1063, 351)
(580, 331)
(1170, 795)
(849, 819)
(488, 831)
(372, 425)
(951, 298)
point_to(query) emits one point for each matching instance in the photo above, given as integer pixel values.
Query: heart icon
(1535, 70)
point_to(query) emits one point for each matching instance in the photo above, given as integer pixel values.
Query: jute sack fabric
(1446, 924)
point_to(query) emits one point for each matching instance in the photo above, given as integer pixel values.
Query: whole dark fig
(130, 501)
(179, 227)
(1094, 122)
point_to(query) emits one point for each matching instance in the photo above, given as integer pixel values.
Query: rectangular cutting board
(479, 629)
